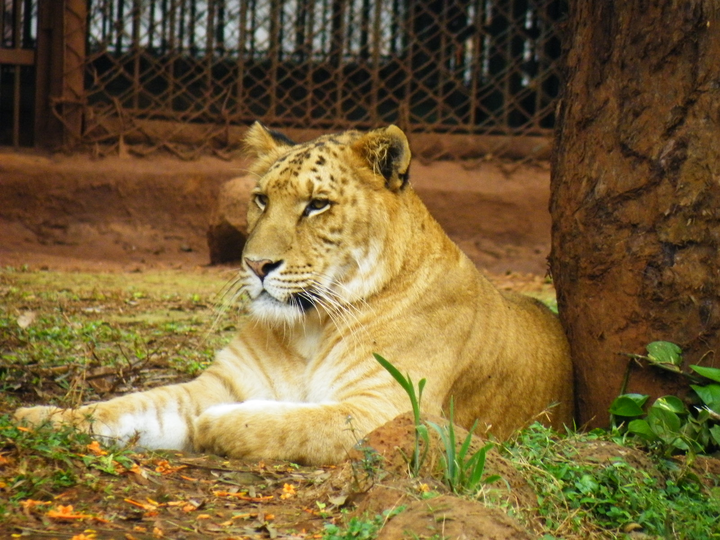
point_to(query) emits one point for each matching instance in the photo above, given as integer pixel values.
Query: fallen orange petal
(95, 448)
(66, 512)
(144, 506)
(164, 467)
(188, 478)
(30, 503)
(242, 496)
(83, 536)
(288, 491)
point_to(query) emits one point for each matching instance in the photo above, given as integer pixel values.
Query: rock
(227, 232)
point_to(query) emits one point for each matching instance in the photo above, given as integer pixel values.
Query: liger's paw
(35, 416)
(219, 434)
(56, 416)
(205, 435)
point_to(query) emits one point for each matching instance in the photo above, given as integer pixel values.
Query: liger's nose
(261, 268)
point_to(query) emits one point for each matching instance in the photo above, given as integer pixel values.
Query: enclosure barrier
(465, 78)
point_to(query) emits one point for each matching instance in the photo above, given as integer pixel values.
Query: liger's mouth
(303, 300)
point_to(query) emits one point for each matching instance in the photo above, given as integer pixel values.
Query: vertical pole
(73, 94)
(17, 44)
(49, 73)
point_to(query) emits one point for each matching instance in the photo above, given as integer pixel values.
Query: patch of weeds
(48, 459)
(360, 528)
(582, 496)
(671, 425)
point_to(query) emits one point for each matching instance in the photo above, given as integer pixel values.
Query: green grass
(581, 494)
(53, 459)
(56, 328)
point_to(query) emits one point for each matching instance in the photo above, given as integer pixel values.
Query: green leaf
(642, 429)
(468, 440)
(710, 395)
(672, 404)
(628, 405)
(665, 424)
(708, 372)
(395, 373)
(715, 432)
(665, 355)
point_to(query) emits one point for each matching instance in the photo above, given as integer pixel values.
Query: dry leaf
(26, 318)
(95, 448)
(66, 512)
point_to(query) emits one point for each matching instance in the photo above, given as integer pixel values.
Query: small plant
(463, 470)
(671, 425)
(463, 473)
(369, 467)
(421, 431)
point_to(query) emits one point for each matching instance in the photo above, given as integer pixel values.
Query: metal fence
(187, 75)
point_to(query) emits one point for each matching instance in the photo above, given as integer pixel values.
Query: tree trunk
(636, 193)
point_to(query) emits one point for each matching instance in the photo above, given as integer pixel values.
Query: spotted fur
(343, 260)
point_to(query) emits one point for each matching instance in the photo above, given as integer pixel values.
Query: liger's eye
(316, 205)
(261, 200)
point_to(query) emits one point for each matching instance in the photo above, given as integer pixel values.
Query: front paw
(42, 414)
(205, 436)
(218, 434)
(34, 416)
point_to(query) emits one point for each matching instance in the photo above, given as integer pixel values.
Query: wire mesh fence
(188, 75)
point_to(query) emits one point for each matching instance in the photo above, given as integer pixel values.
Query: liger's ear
(261, 142)
(387, 152)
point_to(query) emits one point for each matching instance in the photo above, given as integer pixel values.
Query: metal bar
(73, 93)
(409, 47)
(209, 46)
(337, 51)
(172, 46)
(476, 62)
(16, 107)
(240, 104)
(17, 57)
(135, 48)
(17, 43)
(309, 53)
(274, 53)
(376, 44)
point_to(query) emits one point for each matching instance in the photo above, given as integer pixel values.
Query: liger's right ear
(261, 142)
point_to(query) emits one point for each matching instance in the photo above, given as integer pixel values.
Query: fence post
(73, 97)
(59, 101)
(48, 70)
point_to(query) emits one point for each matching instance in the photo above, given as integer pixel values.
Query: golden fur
(343, 260)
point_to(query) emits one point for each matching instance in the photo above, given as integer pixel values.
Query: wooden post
(73, 92)
(59, 99)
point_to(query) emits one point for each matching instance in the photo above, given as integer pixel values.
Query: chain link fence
(465, 78)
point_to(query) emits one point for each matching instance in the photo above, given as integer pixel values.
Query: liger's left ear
(387, 152)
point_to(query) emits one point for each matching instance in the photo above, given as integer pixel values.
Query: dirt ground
(61, 214)
(74, 212)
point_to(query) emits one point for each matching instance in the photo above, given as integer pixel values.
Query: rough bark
(636, 192)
